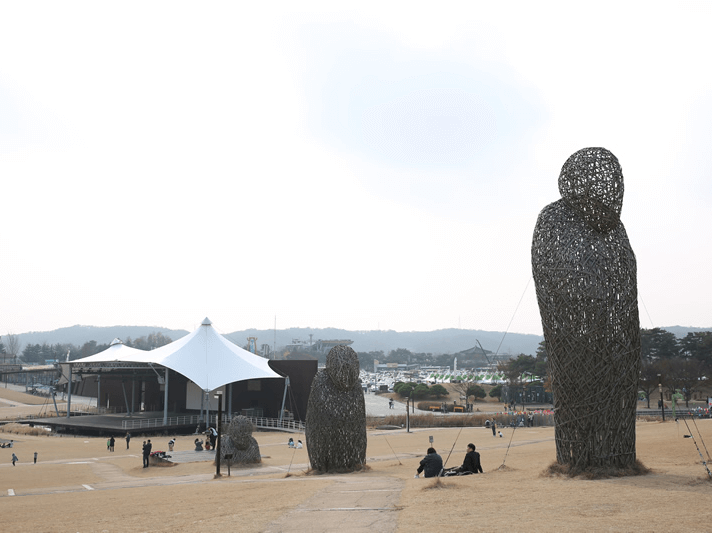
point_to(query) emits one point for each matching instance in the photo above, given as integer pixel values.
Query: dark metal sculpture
(336, 415)
(585, 275)
(238, 442)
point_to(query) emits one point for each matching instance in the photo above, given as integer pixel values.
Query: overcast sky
(374, 167)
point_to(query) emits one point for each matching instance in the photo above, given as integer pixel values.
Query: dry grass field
(78, 486)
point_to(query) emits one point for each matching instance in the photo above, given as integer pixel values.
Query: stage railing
(189, 420)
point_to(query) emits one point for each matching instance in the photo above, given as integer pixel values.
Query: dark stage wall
(264, 394)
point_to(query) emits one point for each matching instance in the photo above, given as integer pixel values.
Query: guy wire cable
(691, 416)
(508, 445)
(451, 449)
(513, 315)
(391, 447)
(646, 309)
(698, 449)
(701, 439)
(290, 463)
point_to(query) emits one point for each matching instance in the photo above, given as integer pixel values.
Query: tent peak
(206, 322)
(116, 341)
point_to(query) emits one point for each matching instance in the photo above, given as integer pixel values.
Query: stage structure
(336, 415)
(183, 374)
(585, 274)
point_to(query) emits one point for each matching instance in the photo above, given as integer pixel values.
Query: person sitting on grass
(432, 464)
(471, 464)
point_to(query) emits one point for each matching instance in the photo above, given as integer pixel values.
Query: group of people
(14, 458)
(493, 425)
(291, 444)
(432, 464)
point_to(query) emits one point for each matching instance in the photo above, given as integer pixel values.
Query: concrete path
(350, 505)
(377, 405)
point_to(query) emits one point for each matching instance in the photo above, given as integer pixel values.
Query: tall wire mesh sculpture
(238, 442)
(336, 415)
(585, 274)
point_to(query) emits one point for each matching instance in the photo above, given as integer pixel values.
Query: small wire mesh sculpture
(336, 415)
(239, 442)
(585, 274)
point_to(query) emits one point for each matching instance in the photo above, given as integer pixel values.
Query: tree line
(677, 364)
(39, 353)
(403, 355)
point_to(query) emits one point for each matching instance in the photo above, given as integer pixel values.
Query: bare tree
(462, 387)
(12, 345)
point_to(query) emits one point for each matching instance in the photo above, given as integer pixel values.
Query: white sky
(374, 167)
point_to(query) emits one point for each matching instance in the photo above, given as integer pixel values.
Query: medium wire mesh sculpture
(336, 415)
(238, 442)
(585, 274)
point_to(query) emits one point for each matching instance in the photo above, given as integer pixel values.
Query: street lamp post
(218, 396)
(662, 402)
(407, 414)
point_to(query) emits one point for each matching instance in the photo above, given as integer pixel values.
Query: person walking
(35, 457)
(494, 428)
(14, 459)
(128, 439)
(112, 442)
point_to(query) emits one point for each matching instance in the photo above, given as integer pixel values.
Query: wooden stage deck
(111, 424)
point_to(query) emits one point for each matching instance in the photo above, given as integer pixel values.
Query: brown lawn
(78, 486)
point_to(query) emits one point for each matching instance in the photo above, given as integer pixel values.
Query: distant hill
(435, 342)
(682, 331)
(78, 335)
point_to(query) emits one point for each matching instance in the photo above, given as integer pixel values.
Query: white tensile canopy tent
(210, 360)
(204, 356)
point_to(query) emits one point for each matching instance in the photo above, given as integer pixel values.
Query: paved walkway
(349, 505)
(377, 405)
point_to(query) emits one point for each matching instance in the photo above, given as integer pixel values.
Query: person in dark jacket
(471, 462)
(431, 463)
(147, 446)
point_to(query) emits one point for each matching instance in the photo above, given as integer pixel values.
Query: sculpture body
(585, 274)
(239, 442)
(336, 415)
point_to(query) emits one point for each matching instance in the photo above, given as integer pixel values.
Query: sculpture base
(596, 472)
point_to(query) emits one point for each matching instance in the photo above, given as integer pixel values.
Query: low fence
(190, 420)
(687, 413)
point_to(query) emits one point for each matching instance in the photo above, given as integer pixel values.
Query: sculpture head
(240, 431)
(591, 183)
(342, 367)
